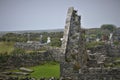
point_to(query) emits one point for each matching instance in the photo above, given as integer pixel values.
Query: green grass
(93, 44)
(6, 47)
(46, 70)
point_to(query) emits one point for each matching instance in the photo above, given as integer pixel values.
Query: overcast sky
(51, 14)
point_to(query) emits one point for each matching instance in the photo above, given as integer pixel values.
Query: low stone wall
(55, 53)
(113, 51)
(92, 74)
(100, 74)
(29, 46)
(26, 59)
(109, 50)
(18, 60)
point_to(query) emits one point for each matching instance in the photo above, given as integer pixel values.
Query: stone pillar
(73, 47)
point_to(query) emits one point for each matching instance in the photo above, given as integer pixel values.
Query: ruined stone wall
(107, 49)
(74, 57)
(113, 51)
(72, 46)
(32, 59)
(100, 74)
(29, 46)
(110, 74)
(55, 53)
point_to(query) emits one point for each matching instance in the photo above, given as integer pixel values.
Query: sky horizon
(51, 14)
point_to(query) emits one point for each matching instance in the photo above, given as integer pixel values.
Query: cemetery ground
(47, 70)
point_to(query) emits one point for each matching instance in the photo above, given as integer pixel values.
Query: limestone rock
(26, 70)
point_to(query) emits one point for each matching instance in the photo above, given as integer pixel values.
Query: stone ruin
(75, 62)
(73, 49)
(75, 59)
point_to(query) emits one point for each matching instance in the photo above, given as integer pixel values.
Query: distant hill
(93, 30)
(31, 31)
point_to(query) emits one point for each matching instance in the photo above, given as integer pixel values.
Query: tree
(109, 27)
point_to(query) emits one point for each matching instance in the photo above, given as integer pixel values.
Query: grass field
(46, 70)
(6, 47)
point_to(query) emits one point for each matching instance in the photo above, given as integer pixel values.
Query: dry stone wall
(29, 46)
(74, 58)
(32, 59)
(107, 49)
